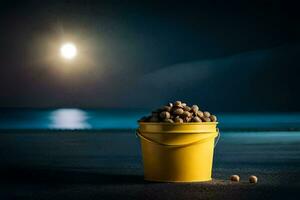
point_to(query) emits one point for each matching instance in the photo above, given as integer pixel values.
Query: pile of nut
(179, 112)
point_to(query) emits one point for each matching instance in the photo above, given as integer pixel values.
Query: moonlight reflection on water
(69, 118)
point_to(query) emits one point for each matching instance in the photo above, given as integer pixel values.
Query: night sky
(226, 56)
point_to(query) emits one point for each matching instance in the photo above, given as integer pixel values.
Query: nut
(196, 119)
(235, 178)
(213, 118)
(200, 114)
(177, 103)
(165, 115)
(194, 108)
(186, 119)
(186, 108)
(186, 114)
(168, 120)
(253, 179)
(178, 111)
(206, 119)
(178, 120)
(167, 108)
(206, 114)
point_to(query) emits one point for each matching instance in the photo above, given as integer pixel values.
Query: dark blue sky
(232, 56)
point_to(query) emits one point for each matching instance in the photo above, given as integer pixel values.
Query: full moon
(68, 51)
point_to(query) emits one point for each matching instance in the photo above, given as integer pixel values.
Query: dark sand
(106, 165)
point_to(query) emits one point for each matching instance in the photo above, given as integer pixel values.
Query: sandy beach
(107, 165)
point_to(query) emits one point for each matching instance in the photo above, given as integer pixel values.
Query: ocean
(116, 119)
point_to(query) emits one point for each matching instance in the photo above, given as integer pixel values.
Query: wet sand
(106, 165)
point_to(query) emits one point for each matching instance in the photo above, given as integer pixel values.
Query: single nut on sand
(235, 178)
(206, 114)
(178, 111)
(206, 119)
(165, 115)
(253, 179)
(196, 119)
(213, 118)
(178, 120)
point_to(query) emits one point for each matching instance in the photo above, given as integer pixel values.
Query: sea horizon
(126, 119)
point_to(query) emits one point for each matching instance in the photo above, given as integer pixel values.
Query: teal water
(97, 119)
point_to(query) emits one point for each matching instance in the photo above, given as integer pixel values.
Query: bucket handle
(138, 134)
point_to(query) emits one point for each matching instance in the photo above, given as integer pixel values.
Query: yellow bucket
(177, 152)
